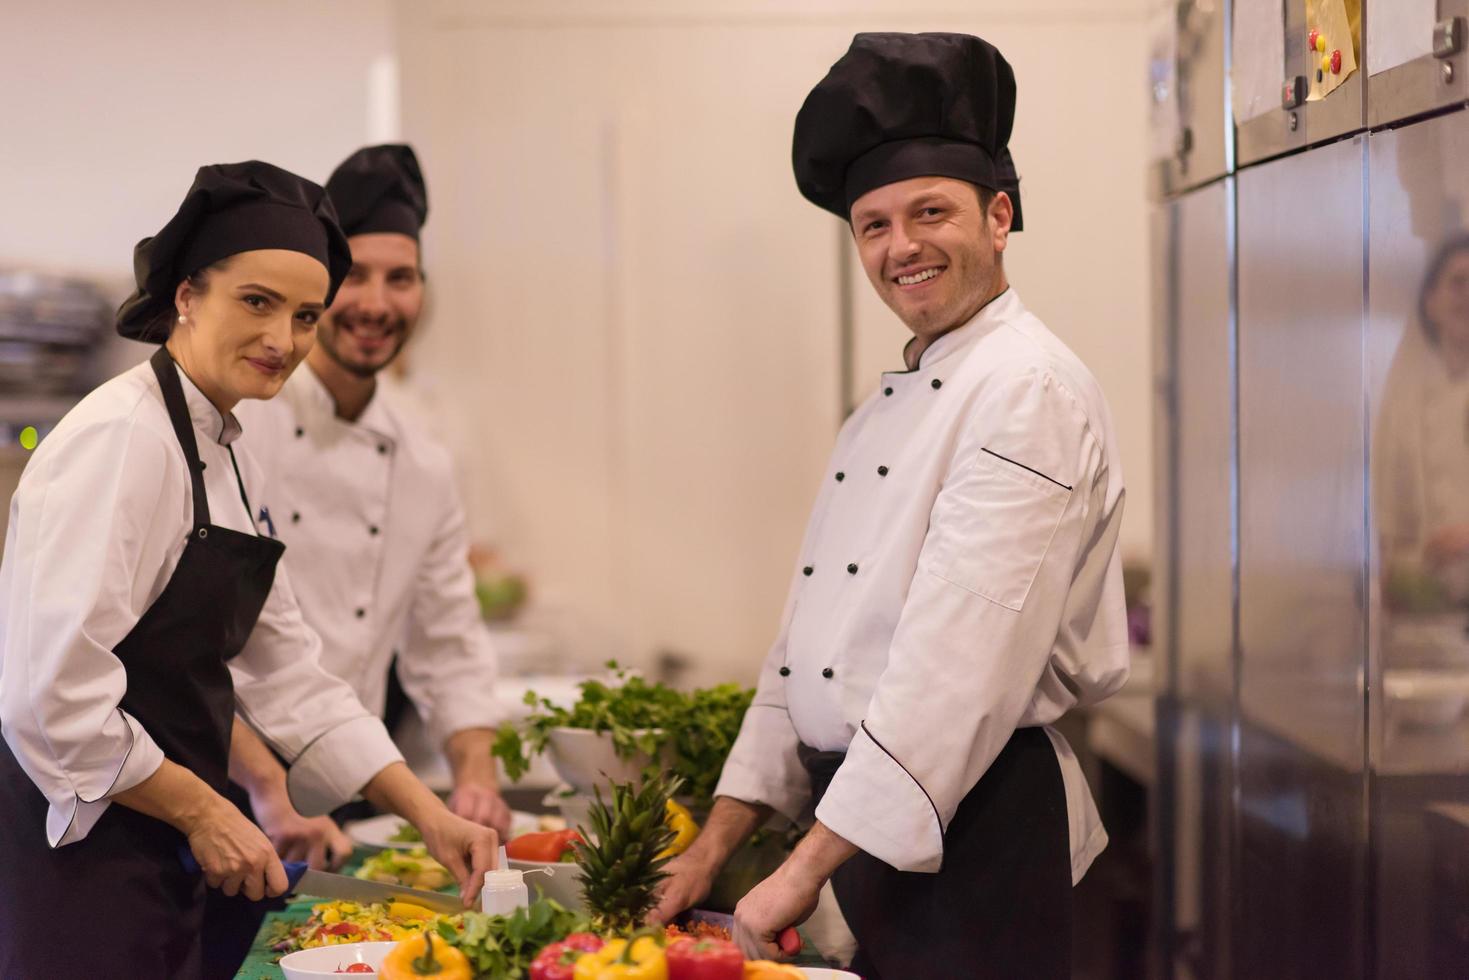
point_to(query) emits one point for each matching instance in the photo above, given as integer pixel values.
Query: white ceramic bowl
(825, 973)
(585, 759)
(325, 961)
(563, 883)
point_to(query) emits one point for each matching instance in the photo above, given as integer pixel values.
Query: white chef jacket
(97, 526)
(1421, 459)
(959, 578)
(379, 554)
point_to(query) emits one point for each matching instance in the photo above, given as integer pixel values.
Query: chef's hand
(1447, 545)
(476, 795)
(234, 854)
(467, 849)
(786, 898)
(316, 840)
(689, 880)
(482, 804)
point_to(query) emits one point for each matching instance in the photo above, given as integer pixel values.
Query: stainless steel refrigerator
(1311, 815)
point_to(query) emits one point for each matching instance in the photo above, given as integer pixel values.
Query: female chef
(1421, 451)
(140, 608)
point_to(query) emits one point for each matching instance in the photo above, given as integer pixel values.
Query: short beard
(359, 370)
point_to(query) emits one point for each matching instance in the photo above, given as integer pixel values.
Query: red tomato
(705, 959)
(545, 846)
(357, 968)
(341, 929)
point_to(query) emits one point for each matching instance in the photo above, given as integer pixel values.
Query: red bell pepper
(547, 845)
(705, 959)
(558, 960)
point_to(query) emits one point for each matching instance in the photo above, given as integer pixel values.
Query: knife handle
(295, 870)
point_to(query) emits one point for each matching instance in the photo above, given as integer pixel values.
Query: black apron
(1000, 908)
(118, 903)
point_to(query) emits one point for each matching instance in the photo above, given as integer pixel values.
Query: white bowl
(563, 883)
(825, 973)
(325, 961)
(585, 759)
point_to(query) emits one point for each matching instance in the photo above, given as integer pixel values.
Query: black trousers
(1001, 906)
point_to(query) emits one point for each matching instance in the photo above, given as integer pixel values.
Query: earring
(183, 319)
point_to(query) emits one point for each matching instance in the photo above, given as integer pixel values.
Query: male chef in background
(374, 530)
(958, 588)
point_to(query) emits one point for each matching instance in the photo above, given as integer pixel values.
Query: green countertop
(261, 964)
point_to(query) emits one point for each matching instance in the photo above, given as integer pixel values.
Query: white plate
(324, 961)
(375, 831)
(823, 973)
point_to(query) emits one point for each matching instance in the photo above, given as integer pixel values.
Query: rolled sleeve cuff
(335, 767)
(874, 803)
(764, 766)
(67, 824)
(453, 718)
(742, 782)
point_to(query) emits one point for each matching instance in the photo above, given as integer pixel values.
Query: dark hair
(199, 282)
(1450, 249)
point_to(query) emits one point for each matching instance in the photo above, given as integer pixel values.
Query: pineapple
(622, 857)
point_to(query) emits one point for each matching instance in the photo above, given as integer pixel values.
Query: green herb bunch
(698, 726)
(501, 947)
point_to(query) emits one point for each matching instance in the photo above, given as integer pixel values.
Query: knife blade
(303, 880)
(324, 884)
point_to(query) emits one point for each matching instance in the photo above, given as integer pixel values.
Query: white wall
(107, 109)
(639, 314)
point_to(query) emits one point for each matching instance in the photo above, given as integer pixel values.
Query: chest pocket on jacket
(991, 527)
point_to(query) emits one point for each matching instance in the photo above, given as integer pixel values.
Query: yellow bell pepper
(408, 910)
(640, 958)
(425, 955)
(682, 823)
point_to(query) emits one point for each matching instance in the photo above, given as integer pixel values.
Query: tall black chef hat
(897, 106)
(231, 208)
(380, 188)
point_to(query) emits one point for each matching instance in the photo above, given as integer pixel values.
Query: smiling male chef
(958, 588)
(374, 531)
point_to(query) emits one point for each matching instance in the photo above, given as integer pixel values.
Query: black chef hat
(380, 188)
(231, 208)
(898, 106)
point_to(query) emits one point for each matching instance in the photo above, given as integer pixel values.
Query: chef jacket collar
(222, 427)
(322, 405)
(985, 319)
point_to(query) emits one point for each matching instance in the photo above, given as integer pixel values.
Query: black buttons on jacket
(887, 392)
(372, 530)
(882, 471)
(827, 672)
(937, 384)
(300, 432)
(295, 517)
(852, 569)
(382, 448)
(841, 476)
(807, 570)
(785, 671)
(361, 613)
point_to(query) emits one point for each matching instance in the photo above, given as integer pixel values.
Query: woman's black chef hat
(380, 188)
(231, 208)
(898, 106)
